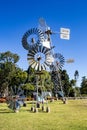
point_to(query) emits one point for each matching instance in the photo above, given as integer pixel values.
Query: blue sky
(17, 16)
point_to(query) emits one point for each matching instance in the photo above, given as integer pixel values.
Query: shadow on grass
(3, 111)
(39, 111)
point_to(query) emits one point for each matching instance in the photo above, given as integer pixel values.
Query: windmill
(37, 41)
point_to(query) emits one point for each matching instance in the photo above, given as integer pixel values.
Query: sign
(65, 33)
(65, 36)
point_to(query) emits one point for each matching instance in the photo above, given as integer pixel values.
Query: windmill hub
(39, 58)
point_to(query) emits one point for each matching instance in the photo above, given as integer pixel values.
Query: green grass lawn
(71, 116)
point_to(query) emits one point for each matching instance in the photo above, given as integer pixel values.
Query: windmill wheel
(58, 62)
(39, 58)
(32, 37)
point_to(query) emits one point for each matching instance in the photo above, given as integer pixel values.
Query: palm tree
(76, 75)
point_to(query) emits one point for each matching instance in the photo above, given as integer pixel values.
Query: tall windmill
(37, 41)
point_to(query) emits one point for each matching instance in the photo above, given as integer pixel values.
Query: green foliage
(71, 90)
(83, 88)
(28, 89)
(45, 81)
(19, 77)
(65, 82)
(28, 86)
(30, 76)
(10, 74)
(7, 71)
(8, 57)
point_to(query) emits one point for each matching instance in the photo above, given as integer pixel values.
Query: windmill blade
(70, 60)
(49, 59)
(42, 25)
(43, 67)
(36, 67)
(39, 57)
(42, 22)
(31, 62)
(39, 67)
(58, 62)
(37, 37)
(33, 65)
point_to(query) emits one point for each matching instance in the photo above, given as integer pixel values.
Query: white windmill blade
(49, 59)
(33, 65)
(31, 62)
(36, 67)
(43, 67)
(39, 67)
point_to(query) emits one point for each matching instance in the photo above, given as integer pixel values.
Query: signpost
(65, 33)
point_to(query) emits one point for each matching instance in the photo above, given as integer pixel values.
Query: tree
(10, 74)
(83, 88)
(71, 91)
(8, 57)
(65, 82)
(76, 75)
(17, 79)
(31, 78)
(44, 82)
(28, 88)
(48, 84)
(43, 79)
(7, 71)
